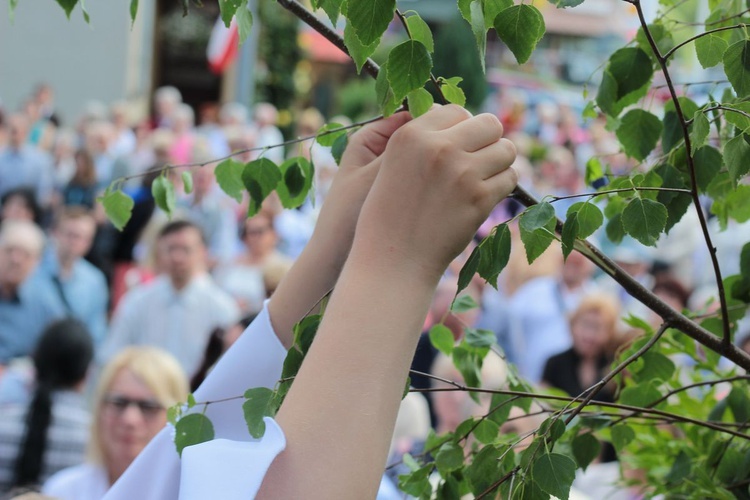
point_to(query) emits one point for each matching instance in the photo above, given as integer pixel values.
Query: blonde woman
(133, 394)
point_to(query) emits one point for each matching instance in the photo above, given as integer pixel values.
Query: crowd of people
(101, 331)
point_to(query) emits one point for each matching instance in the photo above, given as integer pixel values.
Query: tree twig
(671, 51)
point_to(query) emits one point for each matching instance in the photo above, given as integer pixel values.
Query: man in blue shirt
(26, 307)
(81, 287)
(23, 165)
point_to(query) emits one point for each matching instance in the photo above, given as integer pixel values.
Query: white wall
(103, 61)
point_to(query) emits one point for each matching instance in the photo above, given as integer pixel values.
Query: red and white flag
(222, 46)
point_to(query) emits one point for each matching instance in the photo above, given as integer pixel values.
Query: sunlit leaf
(408, 65)
(191, 430)
(520, 27)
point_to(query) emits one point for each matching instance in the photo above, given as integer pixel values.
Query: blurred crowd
(102, 330)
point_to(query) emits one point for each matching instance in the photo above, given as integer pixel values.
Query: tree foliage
(668, 422)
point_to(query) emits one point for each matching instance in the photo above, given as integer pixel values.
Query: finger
(477, 132)
(495, 158)
(374, 136)
(442, 117)
(502, 184)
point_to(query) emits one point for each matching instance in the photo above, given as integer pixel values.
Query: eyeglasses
(119, 404)
(257, 231)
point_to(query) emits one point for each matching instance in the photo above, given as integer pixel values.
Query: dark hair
(29, 198)
(214, 350)
(672, 286)
(180, 225)
(85, 173)
(61, 359)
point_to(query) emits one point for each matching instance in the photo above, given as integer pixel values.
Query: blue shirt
(27, 167)
(85, 290)
(24, 317)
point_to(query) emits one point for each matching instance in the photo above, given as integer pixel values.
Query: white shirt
(177, 321)
(233, 465)
(82, 482)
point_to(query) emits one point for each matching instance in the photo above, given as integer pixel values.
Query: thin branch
(593, 391)
(699, 384)
(250, 150)
(311, 20)
(691, 167)
(726, 108)
(693, 38)
(623, 190)
(689, 84)
(511, 473)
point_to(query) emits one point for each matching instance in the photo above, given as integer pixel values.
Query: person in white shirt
(179, 309)
(415, 193)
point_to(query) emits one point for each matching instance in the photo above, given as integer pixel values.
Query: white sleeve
(255, 360)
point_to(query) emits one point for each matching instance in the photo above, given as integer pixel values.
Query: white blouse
(233, 465)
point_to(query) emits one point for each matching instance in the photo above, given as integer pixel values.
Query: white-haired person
(408, 197)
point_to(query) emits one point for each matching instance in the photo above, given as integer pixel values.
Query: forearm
(313, 274)
(357, 365)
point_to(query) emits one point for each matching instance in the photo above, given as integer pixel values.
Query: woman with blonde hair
(133, 394)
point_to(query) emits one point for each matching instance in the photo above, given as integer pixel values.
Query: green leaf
(737, 157)
(68, 6)
(449, 458)
(484, 469)
(622, 435)
(174, 413)
(494, 254)
(417, 483)
(328, 134)
(644, 220)
(468, 270)
(452, 92)
(408, 65)
(420, 31)
(680, 468)
(420, 101)
(332, 8)
(606, 96)
(338, 148)
(227, 9)
(631, 69)
(739, 117)
(463, 303)
(192, 429)
(589, 219)
(614, 229)
(585, 449)
(476, 337)
(710, 50)
(699, 131)
(479, 29)
(655, 366)
(229, 177)
(520, 27)
(562, 4)
(294, 179)
(486, 431)
(187, 182)
(554, 473)
(737, 67)
(492, 8)
(190, 400)
(640, 395)
(244, 21)
(442, 339)
(553, 427)
(259, 403)
(708, 162)
(740, 405)
(260, 177)
(537, 216)
(118, 207)
(387, 102)
(357, 50)
(370, 18)
(568, 236)
(639, 132)
(133, 10)
(537, 241)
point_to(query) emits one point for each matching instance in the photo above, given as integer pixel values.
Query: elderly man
(26, 308)
(81, 287)
(179, 309)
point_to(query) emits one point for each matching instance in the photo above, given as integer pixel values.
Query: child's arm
(318, 267)
(440, 176)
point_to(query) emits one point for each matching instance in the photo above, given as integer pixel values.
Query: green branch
(693, 38)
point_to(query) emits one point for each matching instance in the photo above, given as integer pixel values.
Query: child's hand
(440, 177)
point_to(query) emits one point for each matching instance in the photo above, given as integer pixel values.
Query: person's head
(18, 130)
(61, 360)
(233, 114)
(21, 204)
(259, 235)
(85, 173)
(183, 118)
(593, 325)
(99, 136)
(576, 270)
(166, 100)
(134, 391)
(73, 229)
(672, 291)
(181, 251)
(21, 244)
(265, 114)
